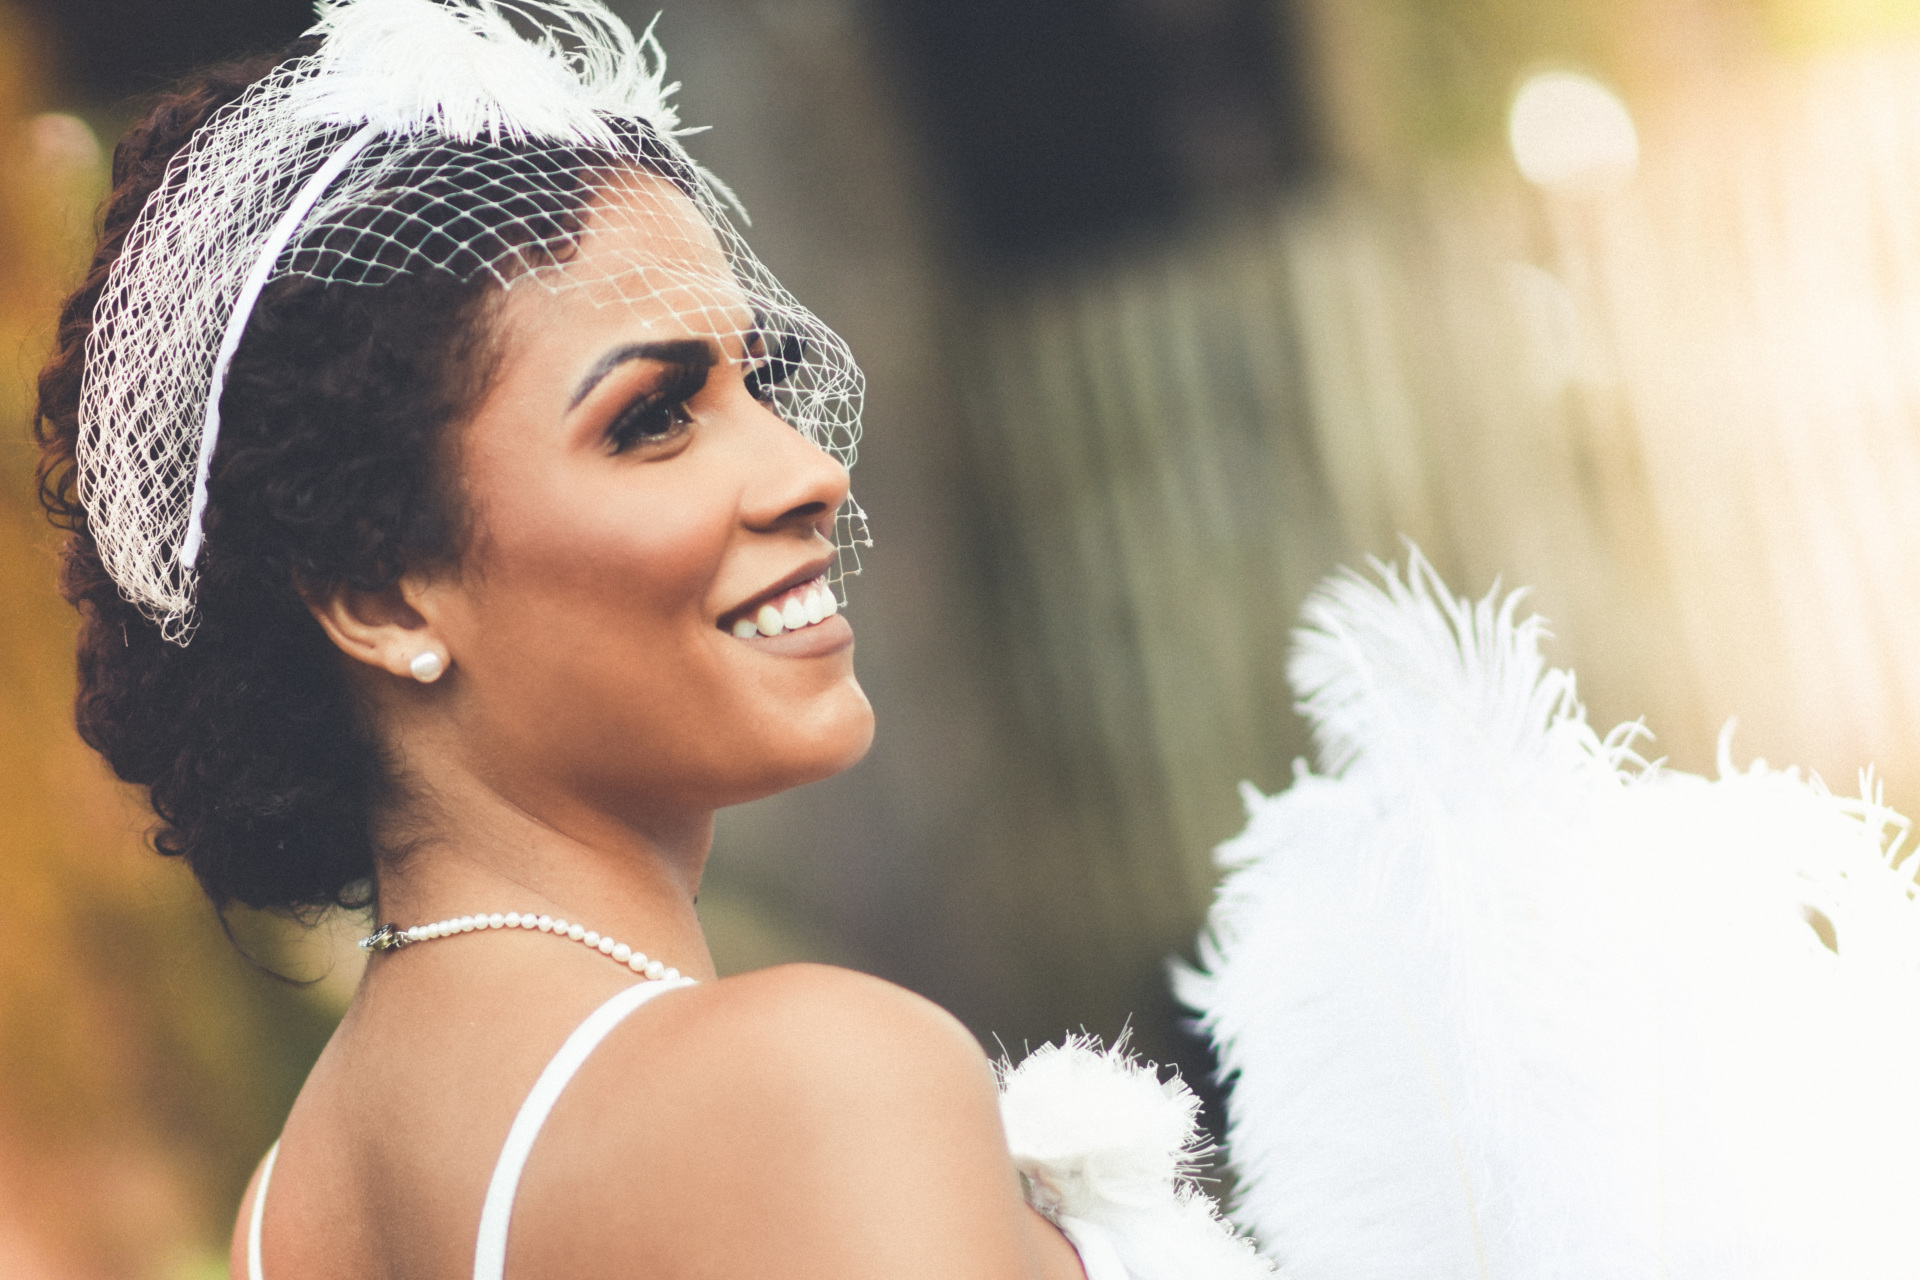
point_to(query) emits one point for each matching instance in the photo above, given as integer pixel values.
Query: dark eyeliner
(659, 412)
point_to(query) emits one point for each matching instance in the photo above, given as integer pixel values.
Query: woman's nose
(796, 483)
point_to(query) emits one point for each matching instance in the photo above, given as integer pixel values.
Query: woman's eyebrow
(690, 353)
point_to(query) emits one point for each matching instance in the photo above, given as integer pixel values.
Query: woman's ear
(389, 629)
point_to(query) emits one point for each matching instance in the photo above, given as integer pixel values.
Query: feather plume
(461, 69)
(1109, 1151)
(1501, 1000)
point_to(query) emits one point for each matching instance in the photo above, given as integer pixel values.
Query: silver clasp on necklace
(388, 937)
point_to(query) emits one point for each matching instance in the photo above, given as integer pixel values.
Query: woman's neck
(465, 848)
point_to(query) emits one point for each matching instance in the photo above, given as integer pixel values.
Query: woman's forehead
(647, 254)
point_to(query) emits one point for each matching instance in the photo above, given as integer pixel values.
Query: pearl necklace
(391, 937)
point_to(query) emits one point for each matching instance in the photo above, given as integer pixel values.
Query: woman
(444, 541)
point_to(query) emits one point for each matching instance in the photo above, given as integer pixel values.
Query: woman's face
(634, 500)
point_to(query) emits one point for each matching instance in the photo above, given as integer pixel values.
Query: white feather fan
(1503, 1001)
(1107, 1151)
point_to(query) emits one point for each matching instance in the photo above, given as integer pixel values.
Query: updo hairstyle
(335, 470)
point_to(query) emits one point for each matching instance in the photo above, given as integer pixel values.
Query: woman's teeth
(806, 604)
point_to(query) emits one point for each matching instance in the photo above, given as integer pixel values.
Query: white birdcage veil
(469, 138)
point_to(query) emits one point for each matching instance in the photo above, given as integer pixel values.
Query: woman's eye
(661, 413)
(760, 385)
(648, 421)
(776, 357)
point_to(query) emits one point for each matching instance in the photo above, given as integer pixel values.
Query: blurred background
(1170, 307)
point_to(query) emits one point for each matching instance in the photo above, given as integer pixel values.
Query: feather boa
(1108, 1151)
(1502, 1000)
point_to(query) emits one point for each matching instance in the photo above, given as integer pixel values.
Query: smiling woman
(456, 511)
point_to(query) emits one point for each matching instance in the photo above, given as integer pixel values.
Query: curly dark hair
(335, 470)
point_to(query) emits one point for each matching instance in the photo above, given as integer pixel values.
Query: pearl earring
(427, 666)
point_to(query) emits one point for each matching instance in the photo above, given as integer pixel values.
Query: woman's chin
(838, 741)
(851, 736)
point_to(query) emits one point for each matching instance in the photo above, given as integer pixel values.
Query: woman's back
(796, 1121)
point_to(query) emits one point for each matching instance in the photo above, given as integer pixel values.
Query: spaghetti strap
(490, 1250)
(259, 1210)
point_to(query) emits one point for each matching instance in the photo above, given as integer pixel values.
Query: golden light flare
(1569, 130)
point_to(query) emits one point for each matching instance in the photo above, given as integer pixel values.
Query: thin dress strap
(490, 1251)
(259, 1211)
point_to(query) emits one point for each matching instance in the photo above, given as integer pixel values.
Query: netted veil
(471, 138)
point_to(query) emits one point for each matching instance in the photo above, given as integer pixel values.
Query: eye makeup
(772, 358)
(659, 412)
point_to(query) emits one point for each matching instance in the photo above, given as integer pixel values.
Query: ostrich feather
(461, 69)
(1501, 1000)
(1108, 1151)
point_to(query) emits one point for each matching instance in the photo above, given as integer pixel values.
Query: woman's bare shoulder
(812, 1042)
(797, 1120)
(813, 1008)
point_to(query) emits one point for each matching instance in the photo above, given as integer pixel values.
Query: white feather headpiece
(465, 72)
(335, 167)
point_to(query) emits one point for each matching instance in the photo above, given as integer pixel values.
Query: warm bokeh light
(63, 141)
(1568, 129)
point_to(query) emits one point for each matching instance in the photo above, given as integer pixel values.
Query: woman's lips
(830, 635)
